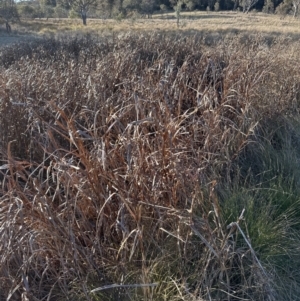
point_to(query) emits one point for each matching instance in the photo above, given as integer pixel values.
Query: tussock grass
(126, 166)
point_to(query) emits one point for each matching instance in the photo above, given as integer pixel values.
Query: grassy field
(151, 165)
(210, 22)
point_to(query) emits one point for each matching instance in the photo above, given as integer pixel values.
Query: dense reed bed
(150, 167)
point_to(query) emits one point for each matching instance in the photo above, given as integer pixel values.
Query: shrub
(60, 12)
(73, 14)
(27, 11)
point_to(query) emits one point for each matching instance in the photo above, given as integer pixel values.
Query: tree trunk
(83, 16)
(121, 6)
(295, 10)
(236, 3)
(244, 6)
(8, 28)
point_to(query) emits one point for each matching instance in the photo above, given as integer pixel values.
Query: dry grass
(212, 22)
(112, 150)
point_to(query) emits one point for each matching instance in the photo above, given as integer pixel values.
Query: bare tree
(248, 4)
(82, 7)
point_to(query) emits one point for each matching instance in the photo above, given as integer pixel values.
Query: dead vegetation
(190, 22)
(113, 155)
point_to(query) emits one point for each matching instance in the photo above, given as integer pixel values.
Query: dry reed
(111, 151)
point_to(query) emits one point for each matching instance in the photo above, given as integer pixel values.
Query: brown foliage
(108, 148)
